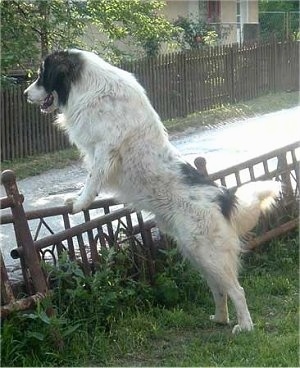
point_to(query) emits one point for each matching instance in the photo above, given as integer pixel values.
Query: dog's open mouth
(46, 105)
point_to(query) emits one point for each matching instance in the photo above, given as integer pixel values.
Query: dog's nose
(25, 93)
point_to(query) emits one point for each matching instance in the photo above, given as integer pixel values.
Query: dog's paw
(73, 204)
(69, 203)
(237, 328)
(223, 321)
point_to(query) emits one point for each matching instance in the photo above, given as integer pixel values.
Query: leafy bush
(101, 297)
(196, 33)
(81, 303)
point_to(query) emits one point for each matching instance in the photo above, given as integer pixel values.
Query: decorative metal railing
(108, 223)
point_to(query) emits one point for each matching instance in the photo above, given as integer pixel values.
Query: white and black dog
(107, 114)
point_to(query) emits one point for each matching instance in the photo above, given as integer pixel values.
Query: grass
(261, 105)
(184, 336)
(34, 165)
(272, 102)
(106, 322)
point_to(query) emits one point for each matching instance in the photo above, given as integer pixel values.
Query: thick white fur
(109, 117)
(253, 199)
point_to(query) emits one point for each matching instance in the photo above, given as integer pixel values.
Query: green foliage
(176, 281)
(196, 33)
(27, 336)
(103, 296)
(96, 304)
(278, 5)
(141, 20)
(34, 165)
(30, 29)
(111, 320)
(81, 303)
(279, 19)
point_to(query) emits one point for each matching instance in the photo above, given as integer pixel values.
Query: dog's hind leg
(220, 298)
(228, 284)
(220, 267)
(237, 295)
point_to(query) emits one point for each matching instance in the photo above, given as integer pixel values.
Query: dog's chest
(82, 135)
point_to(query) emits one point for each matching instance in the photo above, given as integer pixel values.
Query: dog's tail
(253, 199)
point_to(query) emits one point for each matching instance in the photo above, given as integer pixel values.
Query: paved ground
(241, 140)
(222, 147)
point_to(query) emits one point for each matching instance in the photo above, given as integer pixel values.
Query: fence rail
(177, 84)
(121, 227)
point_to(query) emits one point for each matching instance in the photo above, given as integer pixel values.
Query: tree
(278, 5)
(279, 18)
(140, 19)
(30, 29)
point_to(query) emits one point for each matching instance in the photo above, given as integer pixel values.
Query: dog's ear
(56, 70)
(56, 73)
(61, 68)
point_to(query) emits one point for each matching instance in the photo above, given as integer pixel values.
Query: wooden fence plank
(177, 84)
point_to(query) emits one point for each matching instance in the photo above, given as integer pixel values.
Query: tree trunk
(44, 10)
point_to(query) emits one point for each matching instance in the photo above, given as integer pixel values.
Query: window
(213, 10)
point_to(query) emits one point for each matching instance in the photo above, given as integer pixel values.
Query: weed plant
(113, 319)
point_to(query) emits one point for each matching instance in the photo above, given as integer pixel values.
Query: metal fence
(177, 84)
(280, 24)
(119, 226)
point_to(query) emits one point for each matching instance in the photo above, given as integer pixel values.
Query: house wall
(253, 11)
(228, 20)
(249, 11)
(228, 11)
(248, 18)
(175, 8)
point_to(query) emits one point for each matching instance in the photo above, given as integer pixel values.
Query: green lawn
(183, 336)
(241, 110)
(106, 322)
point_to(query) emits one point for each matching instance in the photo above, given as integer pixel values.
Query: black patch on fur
(227, 201)
(193, 177)
(59, 70)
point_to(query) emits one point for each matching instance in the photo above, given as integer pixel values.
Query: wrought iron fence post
(23, 235)
(282, 168)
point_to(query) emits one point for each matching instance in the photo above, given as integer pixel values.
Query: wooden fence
(49, 232)
(24, 130)
(177, 84)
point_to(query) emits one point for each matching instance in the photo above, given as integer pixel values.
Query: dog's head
(56, 75)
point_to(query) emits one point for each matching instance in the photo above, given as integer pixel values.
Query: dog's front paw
(74, 204)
